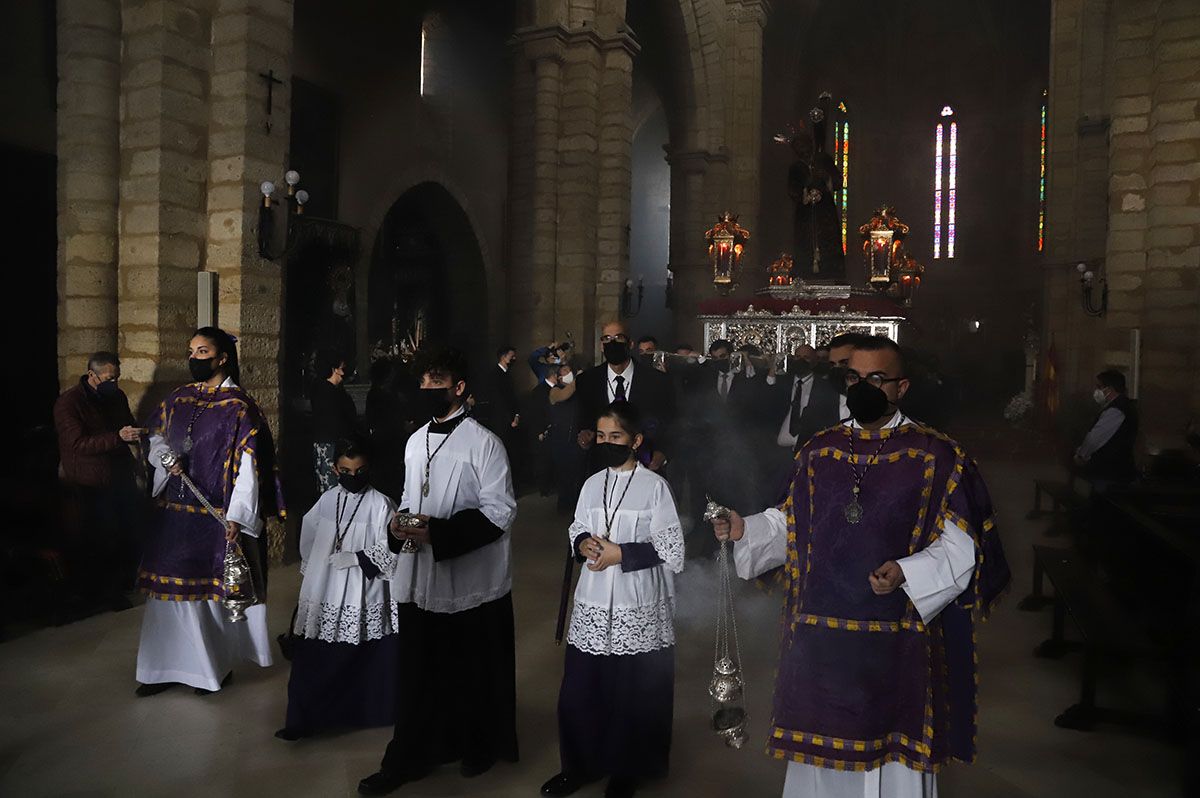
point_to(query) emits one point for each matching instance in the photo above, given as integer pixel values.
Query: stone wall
(1148, 87)
(162, 142)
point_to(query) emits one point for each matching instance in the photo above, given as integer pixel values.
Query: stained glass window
(1041, 231)
(841, 159)
(945, 168)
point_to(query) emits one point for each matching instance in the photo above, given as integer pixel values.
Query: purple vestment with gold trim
(862, 680)
(183, 558)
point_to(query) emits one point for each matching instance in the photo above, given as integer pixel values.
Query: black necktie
(619, 388)
(797, 410)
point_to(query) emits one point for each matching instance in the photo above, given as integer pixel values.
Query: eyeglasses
(608, 339)
(876, 378)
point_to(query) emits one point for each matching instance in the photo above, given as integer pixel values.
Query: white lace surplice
(619, 612)
(340, 605)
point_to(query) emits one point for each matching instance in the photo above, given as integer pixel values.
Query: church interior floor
(71, 726)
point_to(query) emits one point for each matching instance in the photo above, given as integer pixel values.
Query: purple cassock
(183, 558)
(862, 680)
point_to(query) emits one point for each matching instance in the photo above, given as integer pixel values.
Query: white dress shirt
(804, 385)
(612, 381)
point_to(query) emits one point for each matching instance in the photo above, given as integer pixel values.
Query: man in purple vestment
(875, 689)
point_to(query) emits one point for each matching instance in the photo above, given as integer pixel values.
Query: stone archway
(427, 259)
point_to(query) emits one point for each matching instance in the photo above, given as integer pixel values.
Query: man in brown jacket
(95, 430)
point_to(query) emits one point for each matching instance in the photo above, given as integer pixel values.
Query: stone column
(532, 293)
(691, 215)
(246, 147)
(163, 167)
(1170, 390)
(747, 18)
(615, 155)
(89, 90)
(578, 187)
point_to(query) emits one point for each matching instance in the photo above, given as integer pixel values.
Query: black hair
(720, 343)
(845, 339)
(504, 350)
(99, 360)
(353, 446)
(626, 415)
(226, 345)
(881, 343)
(648, 339)
(443, 361)
(1111, 378)
(686, 346)
(325, 361)
(750, 349)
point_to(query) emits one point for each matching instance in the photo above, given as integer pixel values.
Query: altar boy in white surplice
(616, 701)
(344, 666)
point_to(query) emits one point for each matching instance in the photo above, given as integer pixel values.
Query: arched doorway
(427, 265)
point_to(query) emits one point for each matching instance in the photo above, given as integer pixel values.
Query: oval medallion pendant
(853, 512)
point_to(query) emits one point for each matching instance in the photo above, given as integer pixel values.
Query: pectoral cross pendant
(854, 510)
(425, 488)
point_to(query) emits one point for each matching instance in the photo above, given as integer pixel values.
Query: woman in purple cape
(226, 449)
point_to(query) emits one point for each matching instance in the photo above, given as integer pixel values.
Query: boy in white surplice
(616, 701)
(456, 694)
(343, 669)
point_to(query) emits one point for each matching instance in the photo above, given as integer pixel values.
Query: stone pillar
(747, 18)
(246, 147)
(616, 156)
(578, 187)
(1170, 390)
(163, 167)
(89, 66)
(691, 214)
(532, 297)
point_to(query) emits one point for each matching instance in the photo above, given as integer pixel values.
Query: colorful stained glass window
(945, 183)
(841, 160)
(1041, 230)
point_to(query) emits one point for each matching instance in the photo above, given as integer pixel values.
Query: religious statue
(813, 183)
(726, 243)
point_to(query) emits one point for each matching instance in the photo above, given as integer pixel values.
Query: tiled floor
(71, 726)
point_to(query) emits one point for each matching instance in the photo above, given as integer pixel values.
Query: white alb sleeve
(764, 544)
(940, 572)
(243, 500)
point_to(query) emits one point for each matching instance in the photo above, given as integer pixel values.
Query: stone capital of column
(537, 44)
(695, 160)
(755, 11)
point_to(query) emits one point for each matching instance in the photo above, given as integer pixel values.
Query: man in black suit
(496, 405)
(618, 377)
(807, 402)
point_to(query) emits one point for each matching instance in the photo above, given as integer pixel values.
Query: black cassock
(456, 689)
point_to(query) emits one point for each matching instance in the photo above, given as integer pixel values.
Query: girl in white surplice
(344, 666)
(615, 705)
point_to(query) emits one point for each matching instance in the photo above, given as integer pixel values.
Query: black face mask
(722, 364)
(616, 352)
(822, 368)
(202, 370)
(434, 402)
(866, 402)
(801, 368)
(611, 455)
(108, 389)
(355, 483)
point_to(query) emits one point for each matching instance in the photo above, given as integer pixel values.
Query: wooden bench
(1063, 498)
(1107, 628)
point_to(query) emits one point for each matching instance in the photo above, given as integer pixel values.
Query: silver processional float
(237, 581)
(728, 686)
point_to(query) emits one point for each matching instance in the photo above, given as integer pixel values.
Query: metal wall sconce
(295, 200)
(1089, 282)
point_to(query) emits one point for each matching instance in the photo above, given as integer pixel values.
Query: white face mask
(1099, 396)
(567, 379)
